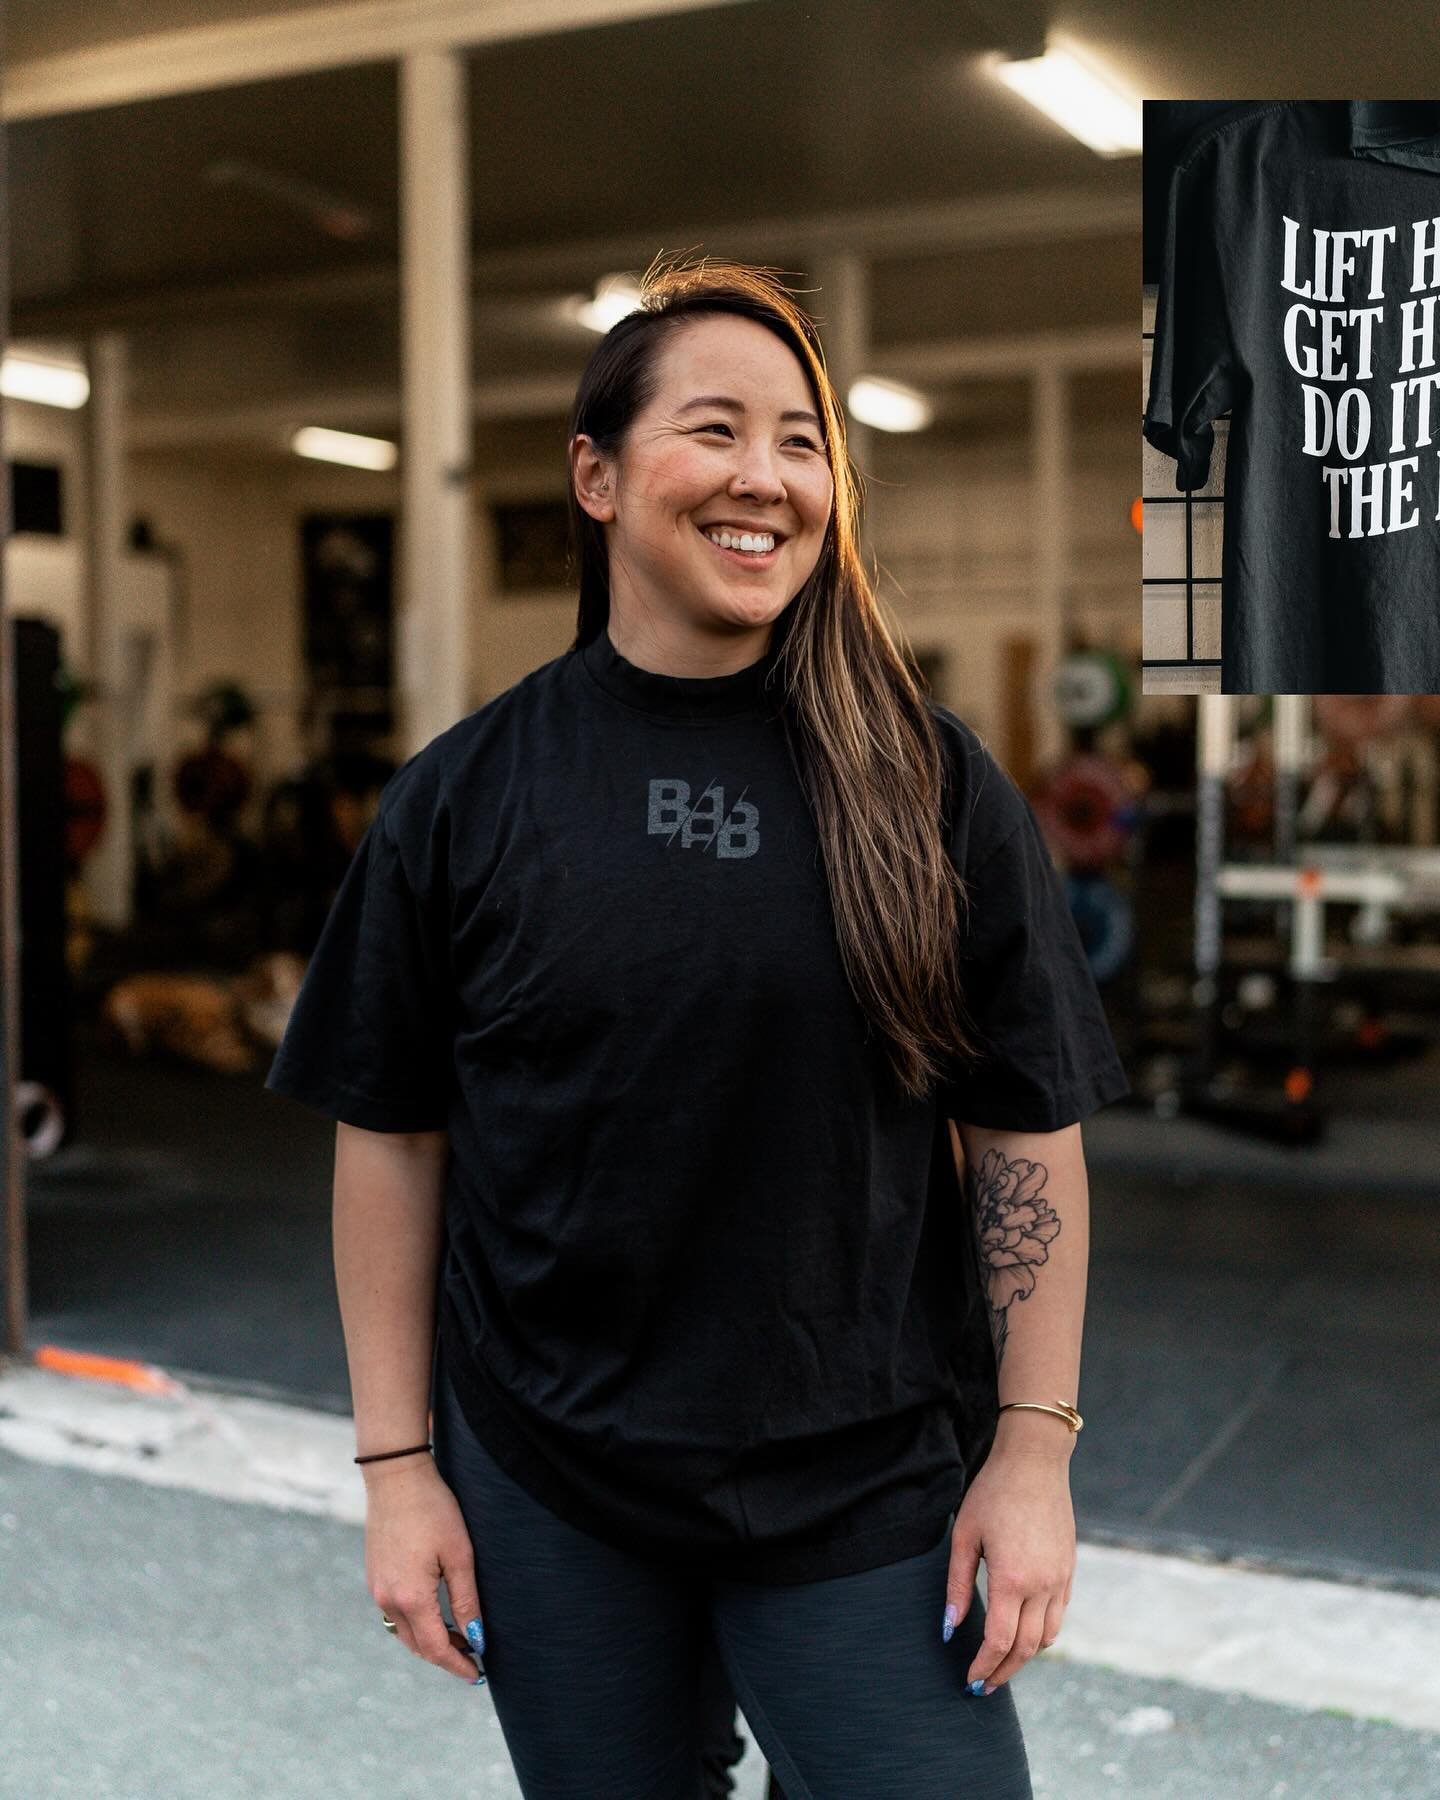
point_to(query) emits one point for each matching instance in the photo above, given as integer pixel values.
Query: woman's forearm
(1029, 1204)
(388, 1226)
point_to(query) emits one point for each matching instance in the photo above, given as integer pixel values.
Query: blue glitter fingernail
(475, 1631)
(977, 1687)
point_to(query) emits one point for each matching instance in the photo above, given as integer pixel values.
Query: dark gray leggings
(595, 1660)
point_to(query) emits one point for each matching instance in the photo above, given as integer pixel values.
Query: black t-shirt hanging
(707, 1273)
(1298, 290)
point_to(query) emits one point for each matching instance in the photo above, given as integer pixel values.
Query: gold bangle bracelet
(1060, 1409)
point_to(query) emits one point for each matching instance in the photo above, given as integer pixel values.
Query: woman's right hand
(415, 1534)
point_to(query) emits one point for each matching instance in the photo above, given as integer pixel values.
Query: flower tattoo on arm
(1014, 1228)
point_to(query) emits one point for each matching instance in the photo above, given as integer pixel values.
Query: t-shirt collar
(1396, 131)
(736, 695)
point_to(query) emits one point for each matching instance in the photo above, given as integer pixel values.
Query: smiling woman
(696, 940)
(709, 410)
(748, 483)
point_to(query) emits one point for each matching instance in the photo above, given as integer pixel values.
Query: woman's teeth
(758, 544)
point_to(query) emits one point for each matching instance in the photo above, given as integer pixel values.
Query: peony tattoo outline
(1014, 1227)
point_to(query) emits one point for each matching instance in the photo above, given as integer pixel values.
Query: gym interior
(295, 317)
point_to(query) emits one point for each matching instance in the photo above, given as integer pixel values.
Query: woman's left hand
(1018, 1514)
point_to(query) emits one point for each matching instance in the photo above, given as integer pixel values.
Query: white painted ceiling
(688, 131)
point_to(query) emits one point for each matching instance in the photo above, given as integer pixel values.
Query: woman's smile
(754, 559)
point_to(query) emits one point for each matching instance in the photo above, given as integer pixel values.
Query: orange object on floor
(121, 1371)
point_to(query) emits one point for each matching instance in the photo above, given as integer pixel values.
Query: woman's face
(730, 439)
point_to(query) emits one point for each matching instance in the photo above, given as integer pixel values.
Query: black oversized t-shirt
(707, 1269)
(1298, 290)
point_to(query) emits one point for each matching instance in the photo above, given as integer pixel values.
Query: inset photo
(1291, 469)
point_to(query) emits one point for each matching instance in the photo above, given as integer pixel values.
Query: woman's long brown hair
(861, 736)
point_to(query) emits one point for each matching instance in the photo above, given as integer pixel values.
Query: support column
(14, 1245)
(1291, 722)
(434, 617)
(842, 309)
(1050, 459)
(1215, 732)
(1291, 729)
(101, 653)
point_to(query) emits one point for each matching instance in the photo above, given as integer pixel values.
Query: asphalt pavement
(160, 1639)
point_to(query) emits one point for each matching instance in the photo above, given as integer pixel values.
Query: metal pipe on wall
(109, 871)
(1050, 465)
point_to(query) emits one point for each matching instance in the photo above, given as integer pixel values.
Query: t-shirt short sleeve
(1046, 1057)
(370, 1038)
(1192, 358)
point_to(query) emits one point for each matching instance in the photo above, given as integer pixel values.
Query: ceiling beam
(200, 58)
(1018, 353)
(343, 409)
(1059, 215)
(550, 396)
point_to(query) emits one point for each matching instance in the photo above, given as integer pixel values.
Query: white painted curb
(1296, 1640)
(232, 1446)
(1293, 1639)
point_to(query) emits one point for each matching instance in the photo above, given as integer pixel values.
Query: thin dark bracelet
(383, 1455)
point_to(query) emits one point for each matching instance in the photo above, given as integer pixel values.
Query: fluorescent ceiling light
(888, 405)
(615, 296)
(1070, 89)
(46, 383)
(344, 447)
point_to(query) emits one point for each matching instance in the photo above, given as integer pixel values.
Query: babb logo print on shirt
(1350, 275)
(729, 831)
